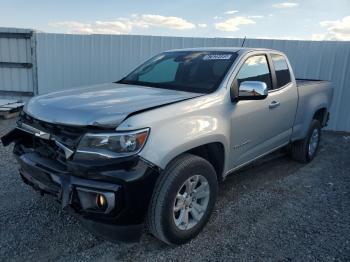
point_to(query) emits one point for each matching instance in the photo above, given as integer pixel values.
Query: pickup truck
(148, 152)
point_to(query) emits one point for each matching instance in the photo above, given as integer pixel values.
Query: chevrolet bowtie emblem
(42, 135)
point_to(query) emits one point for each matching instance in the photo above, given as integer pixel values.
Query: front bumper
(66, 190)
(35, 172)
(127, 191)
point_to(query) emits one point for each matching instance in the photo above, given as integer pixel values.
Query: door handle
(274, 104)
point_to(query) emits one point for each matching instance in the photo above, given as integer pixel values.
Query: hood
(105, 105)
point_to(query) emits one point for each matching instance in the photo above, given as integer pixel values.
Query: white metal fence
(68, 61)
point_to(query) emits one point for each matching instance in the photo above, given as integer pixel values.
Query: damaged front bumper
(110, 196)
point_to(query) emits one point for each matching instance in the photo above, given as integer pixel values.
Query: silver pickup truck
(149, 150)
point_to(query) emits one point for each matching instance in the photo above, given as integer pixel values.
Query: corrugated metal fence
(68, 61)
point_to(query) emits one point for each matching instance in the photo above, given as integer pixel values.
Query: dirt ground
(276, 209)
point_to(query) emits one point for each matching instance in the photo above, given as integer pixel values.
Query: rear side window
(255, 68)
(281, 69)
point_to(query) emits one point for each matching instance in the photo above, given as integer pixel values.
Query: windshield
(191, 71)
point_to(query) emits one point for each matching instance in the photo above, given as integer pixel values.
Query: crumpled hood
(105, 105)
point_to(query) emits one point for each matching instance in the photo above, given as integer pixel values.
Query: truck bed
(313, 95)
(306, 82)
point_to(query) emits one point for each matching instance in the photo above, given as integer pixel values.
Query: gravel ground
(274, 210)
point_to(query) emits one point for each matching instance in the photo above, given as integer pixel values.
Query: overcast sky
(294, 19)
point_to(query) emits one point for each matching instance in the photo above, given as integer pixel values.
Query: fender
(175, 129)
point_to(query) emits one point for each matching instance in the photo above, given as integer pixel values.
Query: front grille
(67, 135)
(48, 149)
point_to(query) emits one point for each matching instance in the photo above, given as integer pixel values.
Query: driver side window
(255, 68)
(164, 71)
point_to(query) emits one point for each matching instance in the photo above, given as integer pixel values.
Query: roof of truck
(226, 49)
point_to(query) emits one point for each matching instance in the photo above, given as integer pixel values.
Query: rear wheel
(183, 199)
(305, 150)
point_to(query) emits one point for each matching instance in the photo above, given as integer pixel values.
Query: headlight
(113, 145)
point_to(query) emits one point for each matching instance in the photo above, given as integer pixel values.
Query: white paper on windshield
(217, 57)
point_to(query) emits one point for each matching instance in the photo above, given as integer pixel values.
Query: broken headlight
(113, 145)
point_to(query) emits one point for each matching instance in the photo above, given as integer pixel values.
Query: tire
(162, 220)
(300, 149)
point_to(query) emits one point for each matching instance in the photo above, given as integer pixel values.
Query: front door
(258, 126)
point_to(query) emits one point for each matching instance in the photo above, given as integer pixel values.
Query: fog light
(101, 201)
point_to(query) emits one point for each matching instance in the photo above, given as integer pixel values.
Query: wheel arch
(321, 115)
(214, 153)
(315, 109)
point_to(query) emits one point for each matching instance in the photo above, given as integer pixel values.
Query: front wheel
(183, 199)
(305, 150)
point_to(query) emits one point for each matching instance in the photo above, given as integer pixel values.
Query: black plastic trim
(16, 93)
(272, 72)
(16, 65)
(15, 35)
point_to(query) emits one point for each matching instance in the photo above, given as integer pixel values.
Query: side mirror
(252, 90)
